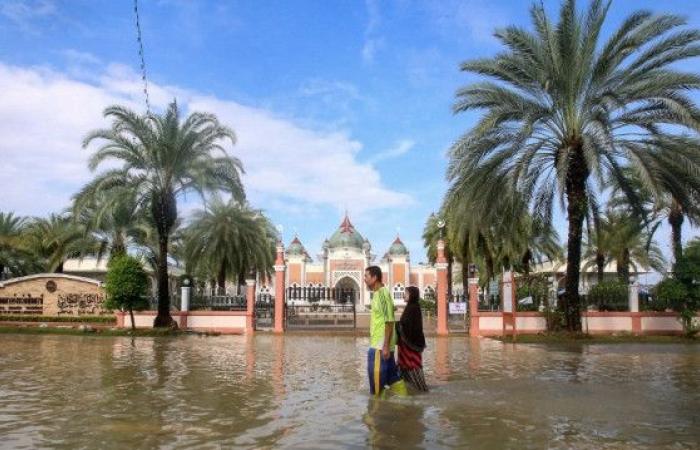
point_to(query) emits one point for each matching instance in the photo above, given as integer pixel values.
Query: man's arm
(388, 330)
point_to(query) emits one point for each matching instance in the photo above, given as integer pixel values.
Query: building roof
(346, 236)
(398, 248)
(296, 247)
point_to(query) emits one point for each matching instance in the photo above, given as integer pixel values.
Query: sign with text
(458, 307)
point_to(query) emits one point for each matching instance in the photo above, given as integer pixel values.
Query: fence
(320, 294)
(321, 316)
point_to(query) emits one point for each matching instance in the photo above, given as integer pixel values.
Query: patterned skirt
(411, 367)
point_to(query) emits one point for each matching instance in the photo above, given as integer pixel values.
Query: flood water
(311, 392)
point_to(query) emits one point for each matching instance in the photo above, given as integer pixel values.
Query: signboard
(458, 307)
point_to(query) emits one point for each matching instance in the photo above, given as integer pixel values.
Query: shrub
(126, 285)
(609, 296)
(73, 319)
(427, 305)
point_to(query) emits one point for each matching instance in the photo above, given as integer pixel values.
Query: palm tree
(625, 239)
(564, 110)
(57, 238)
(162, 158)
(114, 218)
(432, 233)
(231, 238)
(14, 257)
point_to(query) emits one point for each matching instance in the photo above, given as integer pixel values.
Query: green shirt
(382, 312)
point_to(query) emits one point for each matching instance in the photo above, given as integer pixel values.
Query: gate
(264, 311)
(319, 307)
(457, 314)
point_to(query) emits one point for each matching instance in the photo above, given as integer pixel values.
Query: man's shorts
(382, 372)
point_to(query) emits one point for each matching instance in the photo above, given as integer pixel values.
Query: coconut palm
(14, 257)
(163, 157)
(564, 110)
(56, 238)
(231, 239)
(114, 218)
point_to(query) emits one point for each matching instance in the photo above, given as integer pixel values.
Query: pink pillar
(473, 307)
(280, 268)
(250, 306)
(441, 266)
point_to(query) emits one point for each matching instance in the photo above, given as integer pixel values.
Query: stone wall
(52, 294)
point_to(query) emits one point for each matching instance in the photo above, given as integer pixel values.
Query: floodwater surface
(303, 391)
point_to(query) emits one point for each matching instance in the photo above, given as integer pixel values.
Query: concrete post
(185, 295)
(280, 269)
(441, 266)
(634, 295)
(250, 305)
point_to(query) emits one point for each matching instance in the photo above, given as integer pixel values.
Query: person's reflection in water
(394, 424)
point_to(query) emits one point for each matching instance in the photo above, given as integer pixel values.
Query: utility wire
(139, 39)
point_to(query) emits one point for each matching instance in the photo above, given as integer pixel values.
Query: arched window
(398, 292)
(429, 293)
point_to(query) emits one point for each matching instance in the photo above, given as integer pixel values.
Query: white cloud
(399, 149)
(373, 43)
(479, 17)
(44, 116)
(23, 12)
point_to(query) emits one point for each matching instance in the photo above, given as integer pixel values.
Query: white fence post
(185, 292)
(634, 295)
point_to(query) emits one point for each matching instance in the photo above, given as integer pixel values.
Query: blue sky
(337, 104)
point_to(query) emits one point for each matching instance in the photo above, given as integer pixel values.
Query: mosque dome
(398, 248)
(346, 236)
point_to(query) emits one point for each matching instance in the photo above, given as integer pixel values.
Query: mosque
(342, 262)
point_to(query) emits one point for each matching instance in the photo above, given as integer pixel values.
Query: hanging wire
(139, 39)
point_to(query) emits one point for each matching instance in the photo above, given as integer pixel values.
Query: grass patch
(69, 319)
(582, 338)
(106, 332)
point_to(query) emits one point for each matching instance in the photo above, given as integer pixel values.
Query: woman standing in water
(411, 341)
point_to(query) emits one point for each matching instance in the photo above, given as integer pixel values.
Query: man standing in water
(381, 366)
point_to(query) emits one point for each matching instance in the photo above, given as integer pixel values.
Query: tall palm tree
(15, 259)
(625, 239)
(564, 109)
(163, 157)
(231, 238)
(113, 218)
(432, 233)
(56, 238)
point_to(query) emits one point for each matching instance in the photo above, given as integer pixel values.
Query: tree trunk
(163, 319)
(675, 219)
(241, 282)
(131, 314)
(465, 280)
(576, 209)
(600, 266)
(221, 281)
(623, 267)
(527, 257)
(2, 271)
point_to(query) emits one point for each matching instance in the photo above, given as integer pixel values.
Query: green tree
(564, 110)
(163, 157)
(56, 238)
(15, 259)
(231, 239)
(126, 285)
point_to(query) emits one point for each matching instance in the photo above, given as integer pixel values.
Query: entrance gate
(318, 307)
(264, 311)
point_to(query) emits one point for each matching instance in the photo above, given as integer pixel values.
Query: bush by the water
(609, 296)
(69, 319)
(126, 285)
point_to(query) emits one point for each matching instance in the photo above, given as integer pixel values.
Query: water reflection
(295, 391)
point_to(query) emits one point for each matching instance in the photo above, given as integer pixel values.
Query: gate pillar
(441, 266)
(250, 305)
(280, 269)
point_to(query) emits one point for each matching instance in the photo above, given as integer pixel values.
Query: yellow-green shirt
(382, 311)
